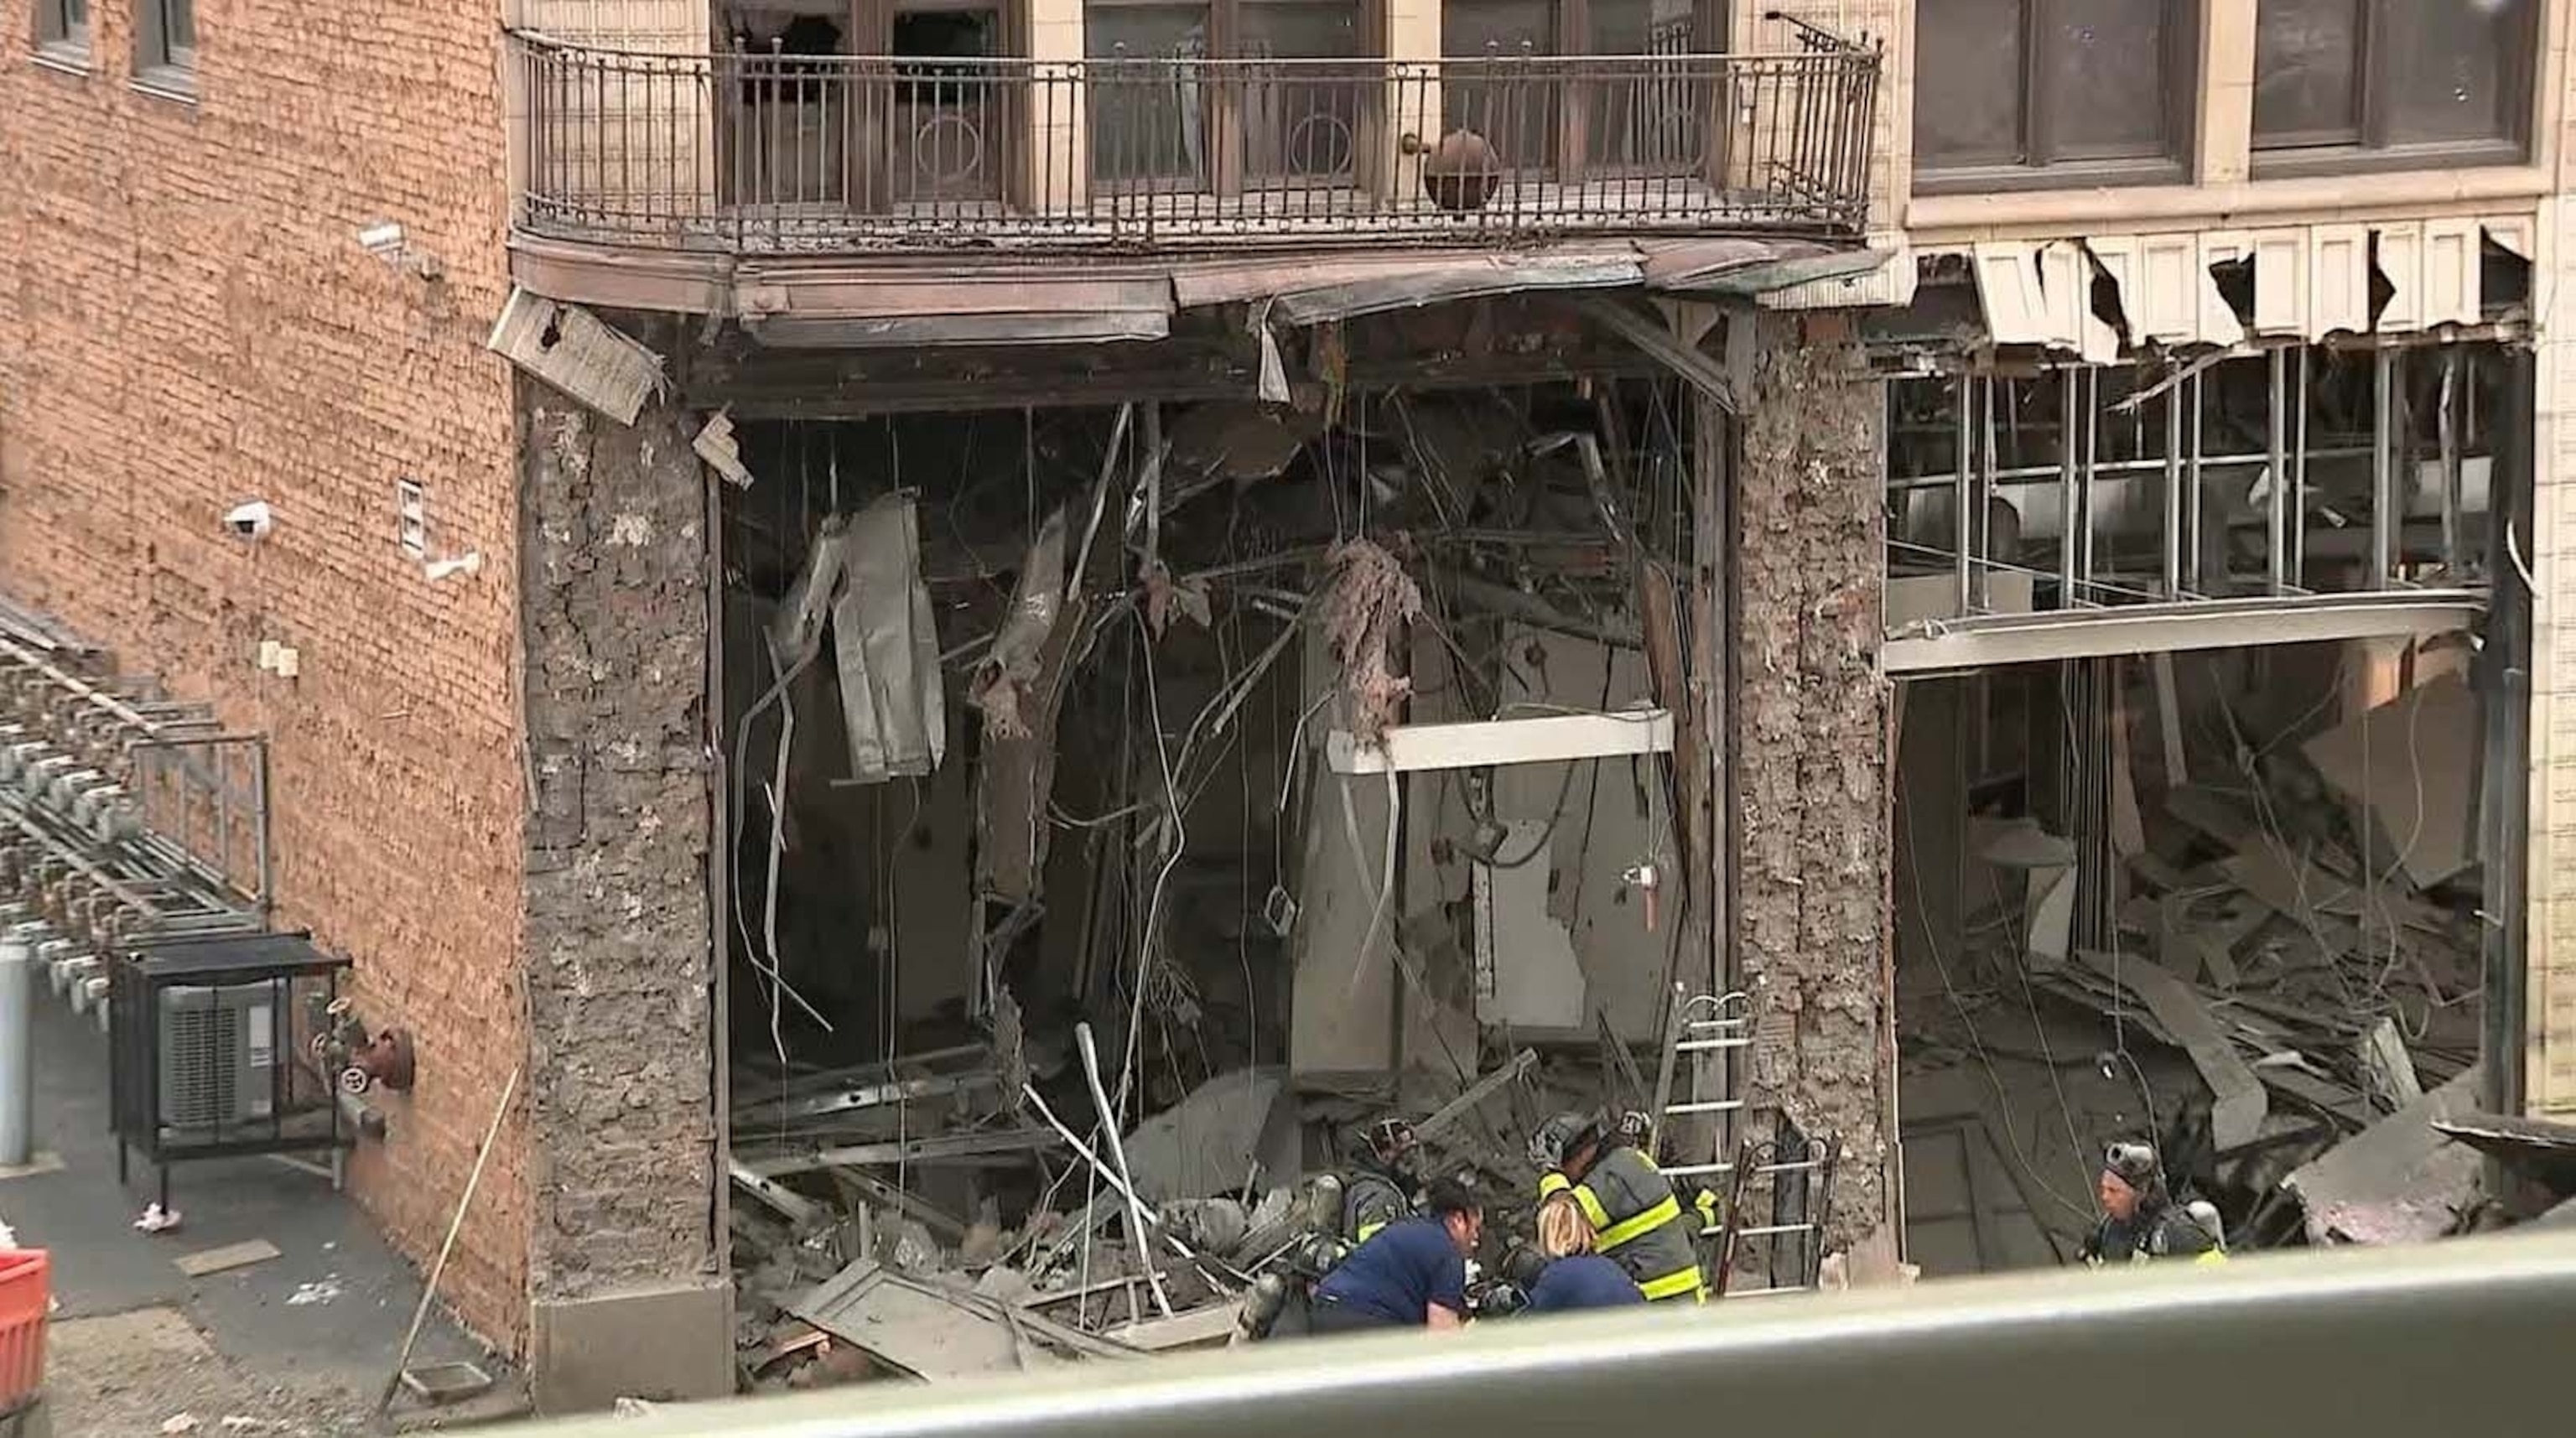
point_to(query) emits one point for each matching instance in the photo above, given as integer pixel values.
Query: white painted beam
(2166, 628)
(1548, 739)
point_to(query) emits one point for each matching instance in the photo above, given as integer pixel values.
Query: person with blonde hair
(1575, 1276)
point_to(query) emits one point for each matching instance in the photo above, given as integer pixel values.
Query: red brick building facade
(187, 322)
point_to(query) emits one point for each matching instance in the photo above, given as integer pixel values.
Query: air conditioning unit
(218, 1055)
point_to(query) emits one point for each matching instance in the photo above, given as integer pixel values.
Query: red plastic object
(25, 1295)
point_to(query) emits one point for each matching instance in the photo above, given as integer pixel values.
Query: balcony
(757, 153)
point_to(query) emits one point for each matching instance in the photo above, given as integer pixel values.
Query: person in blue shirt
(1410, 1274)
(1575, 1277)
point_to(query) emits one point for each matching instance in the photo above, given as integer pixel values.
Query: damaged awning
(794, 307)
(2304, 281)
(803, 305)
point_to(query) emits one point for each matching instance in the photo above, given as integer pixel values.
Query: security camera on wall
(385, 240)
(251, 520)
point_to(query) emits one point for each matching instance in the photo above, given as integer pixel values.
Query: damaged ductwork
(864, 573)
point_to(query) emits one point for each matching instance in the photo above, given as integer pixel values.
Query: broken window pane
(2107, 84)
(2307, 68)
(2458, 70)
(1968, 83)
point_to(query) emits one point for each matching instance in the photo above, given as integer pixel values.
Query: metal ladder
(1798, 1207)
(1703, 1026)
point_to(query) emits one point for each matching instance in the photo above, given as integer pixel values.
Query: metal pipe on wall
(2070, 539)
(2276, 550)
(2173, 492)
(17, 1050)
(1986, 461)
(2383, 472)
(1963, 391)
(2299, 482)
(2454, 537)
(2192, 499)
(2092, 425)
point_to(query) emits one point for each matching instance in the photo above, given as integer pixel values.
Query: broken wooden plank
(231, 1255)
(576, 352)
(1475, 1094)
(2236, 1119)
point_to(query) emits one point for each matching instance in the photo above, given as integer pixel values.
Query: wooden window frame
(871, 37)
(165, 64)
(63, 38)
(2375, 74)
(1572, 162)
(2040, 169)
(1229, 175)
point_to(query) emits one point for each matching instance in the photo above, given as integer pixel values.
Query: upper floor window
(2032, 93)
(62, 26)
(165, 42)
(2342, 80)
(1228, 96)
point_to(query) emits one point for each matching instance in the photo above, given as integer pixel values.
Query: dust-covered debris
(1366, 612)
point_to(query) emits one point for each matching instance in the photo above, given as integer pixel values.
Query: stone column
(628, 1290)
(1809, 741)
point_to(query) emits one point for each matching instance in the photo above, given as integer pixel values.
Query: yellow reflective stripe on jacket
(2215, 1255)
(1672, 1285)
(1552, 1183)
(1635, 1226)
(1369, 1230)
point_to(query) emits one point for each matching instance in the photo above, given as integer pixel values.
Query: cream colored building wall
(2533, 206)
(2550, 1072)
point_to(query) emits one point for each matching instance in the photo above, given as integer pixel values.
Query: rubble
(2262, 979)
(1061, 1024)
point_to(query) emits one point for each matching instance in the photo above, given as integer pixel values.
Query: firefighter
(1340, 1212)
(1410, 1274)
(1638, 1222)
(2141, 1222)
(1382, 1182)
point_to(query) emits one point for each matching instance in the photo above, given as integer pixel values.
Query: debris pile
(845, 1276)
(2283, 982)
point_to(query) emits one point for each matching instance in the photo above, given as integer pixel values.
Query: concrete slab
(666, 1344)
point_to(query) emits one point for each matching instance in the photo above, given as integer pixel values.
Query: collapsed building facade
(1026, 576)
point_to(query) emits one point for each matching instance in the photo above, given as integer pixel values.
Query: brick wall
(186, 322)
